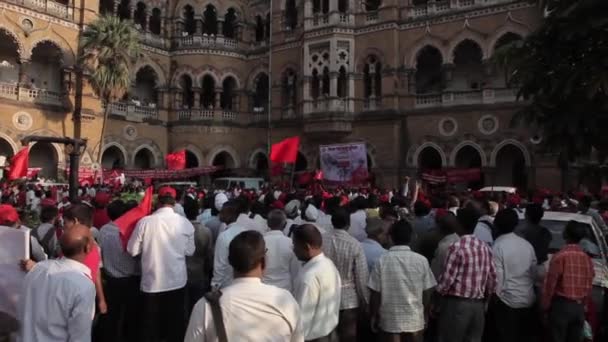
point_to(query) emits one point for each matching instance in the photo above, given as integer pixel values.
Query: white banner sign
(344, 163)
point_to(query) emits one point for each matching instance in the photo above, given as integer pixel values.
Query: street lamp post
(74, 147)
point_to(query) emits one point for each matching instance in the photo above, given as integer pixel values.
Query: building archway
(468, 157)
(429, 77)
(113, 158)
(144, 159)
(44, 155)
(511, 167)
(9, 58)
(6, 149)
(191, 160)
(260, 164)
(468, 71)
(301, 162)
(429, 158)
(44, 71)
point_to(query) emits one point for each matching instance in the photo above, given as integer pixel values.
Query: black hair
(468, 217)
(191, 208)
(81, 212)
(401, 232)
(505, 222)
(308, 234)
(166, 200)
(421, 208)
(534, 213)
(574, 232)
(340, 218)
(48, 213)
(116, 209)
(246, 251)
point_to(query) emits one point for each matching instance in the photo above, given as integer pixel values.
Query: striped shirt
(469, 270)
(116, 261)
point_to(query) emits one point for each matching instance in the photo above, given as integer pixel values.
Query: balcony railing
(206, 41)
(133, 111)
(372, 103)
(38, 96)
(47, 6)
(457, 98)
(431, 8)
(219, 115)
(152, 39)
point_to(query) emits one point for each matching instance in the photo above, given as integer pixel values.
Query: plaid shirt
(469, 270)
(348, 256)
(570, 275)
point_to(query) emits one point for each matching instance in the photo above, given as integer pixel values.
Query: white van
(225, 183)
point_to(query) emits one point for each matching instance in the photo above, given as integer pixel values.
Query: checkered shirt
(570, 275)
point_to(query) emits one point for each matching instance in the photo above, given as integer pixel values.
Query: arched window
(326, 83)
(291, 14)
(208, 96)
(260, 96)
(189, 22)
(428, 71)
(468, 67)
(155, 21)
(289, 88)
(145, 86)
(267, 27)
(124, 10)
(343, 6)
(185, 84)
(372, 77)
(314, 85)
(9, 58)
(320, 6)
(139, 17)
(228, 94)
(44, 71)
(259, 29)
(229, 24)
(342, 83)
(106, 7)
(210, 20)
(372, 5)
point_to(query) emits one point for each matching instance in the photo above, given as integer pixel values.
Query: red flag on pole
(126, 223)
(19, 164)
(285, 151)
(176, 160)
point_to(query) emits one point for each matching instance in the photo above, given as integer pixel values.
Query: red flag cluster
(283, 152)
(176, 160)
(19, 164)
(126, 223)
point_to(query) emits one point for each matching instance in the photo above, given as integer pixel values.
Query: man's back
(282, 266)
(357, 225)
(222, 271)
(251, 311)
(539, 237)
(163, 239)
(58, 302)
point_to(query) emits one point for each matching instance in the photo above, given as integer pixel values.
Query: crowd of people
(315, 265)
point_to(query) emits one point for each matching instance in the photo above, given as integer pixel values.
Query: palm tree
(110, 47)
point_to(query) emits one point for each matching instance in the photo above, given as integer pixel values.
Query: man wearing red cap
(101, 218)
(163, 240)
(9, 218)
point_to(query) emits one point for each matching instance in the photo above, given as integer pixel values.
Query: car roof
(562, 216)
(508, 189)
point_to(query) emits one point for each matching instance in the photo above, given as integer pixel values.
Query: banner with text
(344, 163)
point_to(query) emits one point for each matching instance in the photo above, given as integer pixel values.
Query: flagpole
(293, 173)
(269, 114)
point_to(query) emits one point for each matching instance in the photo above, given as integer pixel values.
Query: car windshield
(221, 184)
(589, 243)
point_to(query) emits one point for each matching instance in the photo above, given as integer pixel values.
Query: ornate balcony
(37, 96)
(215, 115)
(440, 7)
(205, 41)
(318, 20)
(152, 39)
(47, 6)
(134, 112)
(473, 97)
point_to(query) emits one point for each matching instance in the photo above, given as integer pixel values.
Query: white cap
(312, 213)
(220, 199)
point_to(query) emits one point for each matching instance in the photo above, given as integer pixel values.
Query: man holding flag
(163, 239)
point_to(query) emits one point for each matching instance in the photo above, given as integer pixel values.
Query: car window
(221, 184)
(557, 240)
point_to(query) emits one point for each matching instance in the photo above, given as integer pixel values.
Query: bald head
(75, 242)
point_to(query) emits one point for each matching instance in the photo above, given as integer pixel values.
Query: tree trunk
(106, 112)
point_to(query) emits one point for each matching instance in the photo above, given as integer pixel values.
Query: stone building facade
(412, 79)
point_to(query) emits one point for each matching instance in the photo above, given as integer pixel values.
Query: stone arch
(520, 31)
(58, 148)
(363, 57)
(287, 66)
(180, 72)
(10, 142)
(223, 148)
(251, 160)
(421, 44)
(155, 156)
(231, 73)
(457, 148)
(466, 35)
(193, 149)
(68, 58)
(20, 47)
(209, 72)
(253, 75)
(179, 8)
(120, 147)
(518, 144)
(430, 144)
(162, 79)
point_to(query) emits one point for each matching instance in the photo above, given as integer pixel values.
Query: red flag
(176, 160)
(276, 169)
(285, 151)
(19, 164)
(319, 175)
(126, 223)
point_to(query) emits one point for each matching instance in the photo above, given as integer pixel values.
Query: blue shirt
(373, 251)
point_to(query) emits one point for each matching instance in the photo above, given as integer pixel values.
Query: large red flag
(285, 151)
(19, 164)
(176, 160)
(126, 223)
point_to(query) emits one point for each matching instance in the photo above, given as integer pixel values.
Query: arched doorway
(301, 162)
(144, 159)
(511, 169)
(468, 66)
(468, 158)
(43, 155)
(260, 163)
(113, 158)
(429, 77)
(191, 160)
(9, 57)
(225, 162)
(6, 150)
(44, 70)
(429, 159)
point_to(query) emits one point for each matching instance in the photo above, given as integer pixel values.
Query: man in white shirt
(515, 263)
(67, 281)
(163, 240)
(282, 266)
(222, 271)
(251, 311)
(357, 219)
(244, 220)
(484, 228)
(317, 287)
(400, 285)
